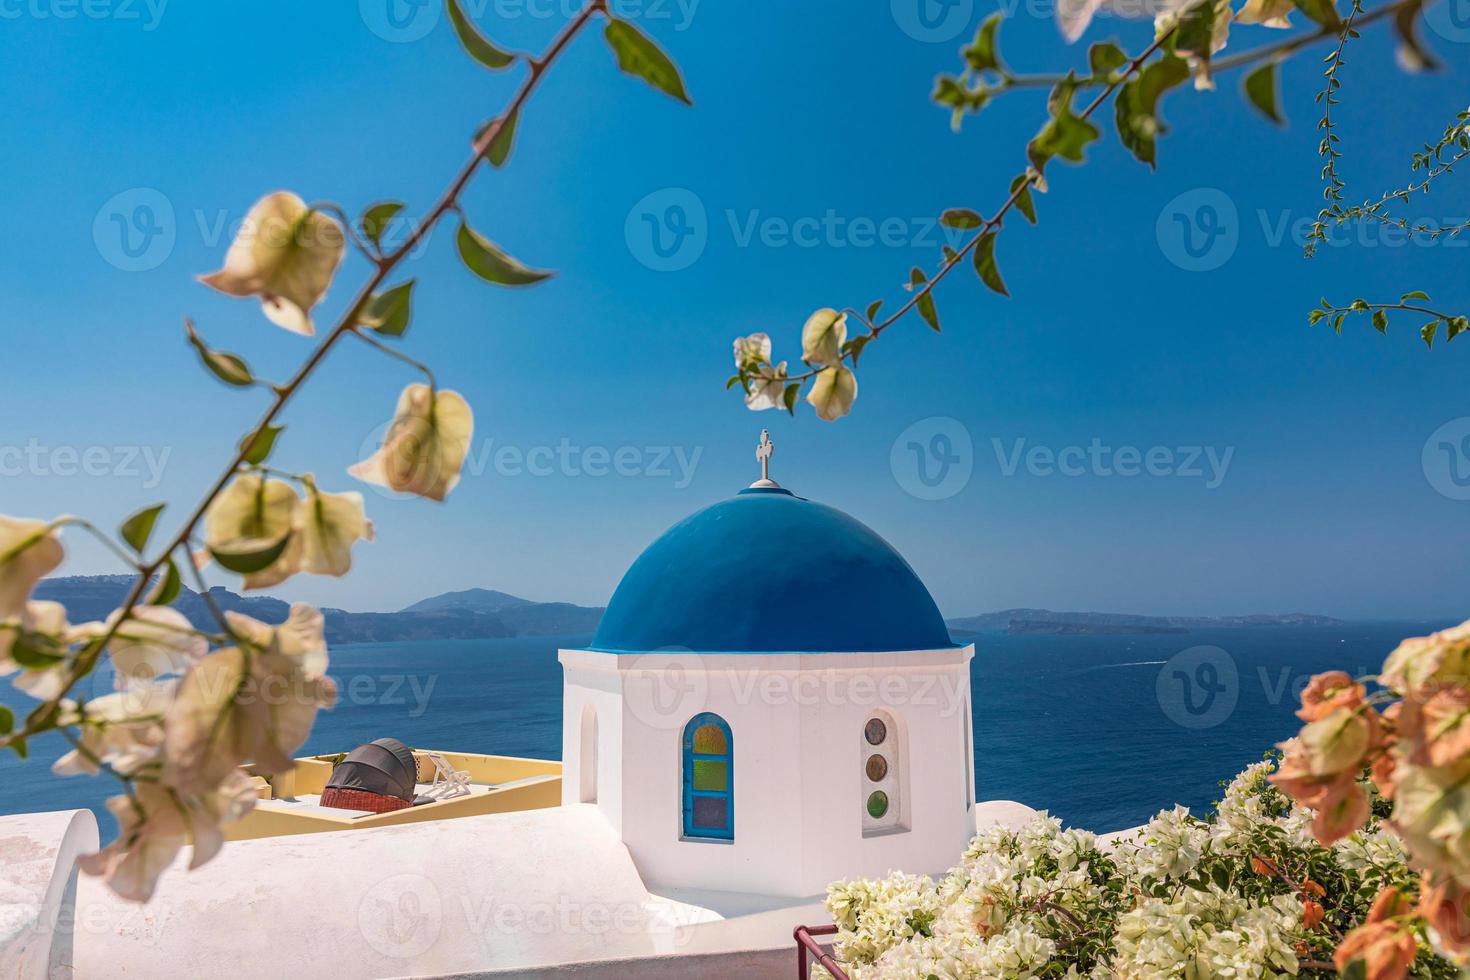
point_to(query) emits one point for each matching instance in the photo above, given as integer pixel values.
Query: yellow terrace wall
(310, 775)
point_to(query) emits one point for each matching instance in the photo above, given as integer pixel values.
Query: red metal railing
(807, 947)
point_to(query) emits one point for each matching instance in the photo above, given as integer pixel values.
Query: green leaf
(1316, 315)
(873, 309)
(485, 259)
(962, 218)
(983, 54)
(855, 347)
(36, 651)
(229, 368)
(136, 530)
(1262, 88)
(499, 149)
(169, 586)
(1065, 135)
(986, 267)
(476, 43)
(7, 720)
(388, 312)
(793, 391)
(927, 310)
(20, 747)
(1456, 326)
(256, 448)
(732, 381)
(1024, 202)
(1380, 321)
(1323, 12)
(1137, 106)
(1427, 332)
(1413, 55)
(1104, 57)
(1416, 294)
(640, 57)
(248, 560)
(376, 219)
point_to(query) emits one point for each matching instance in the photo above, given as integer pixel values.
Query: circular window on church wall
(875, 731)
(878, 805)
(877, 768)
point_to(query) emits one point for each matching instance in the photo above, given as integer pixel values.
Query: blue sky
(1325, 505)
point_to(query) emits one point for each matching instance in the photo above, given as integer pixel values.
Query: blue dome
(769, 572)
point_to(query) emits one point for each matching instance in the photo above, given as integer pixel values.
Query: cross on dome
(763, 453)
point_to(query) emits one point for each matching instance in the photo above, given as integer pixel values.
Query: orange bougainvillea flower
(1436, 722)
(1312, 914)
(1343, 811)
(1261, 866)
(1312, 888)
(1445, 902)
(1328, 692)
(1384, 943)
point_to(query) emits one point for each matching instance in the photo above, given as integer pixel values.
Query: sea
(1103, 731)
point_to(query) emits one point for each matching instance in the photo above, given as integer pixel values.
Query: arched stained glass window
(709, 778)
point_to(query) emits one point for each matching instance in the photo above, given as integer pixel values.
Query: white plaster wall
(798, 761)
(597, 684)
(38, 887)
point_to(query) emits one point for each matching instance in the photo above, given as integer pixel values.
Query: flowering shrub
(1247, 893)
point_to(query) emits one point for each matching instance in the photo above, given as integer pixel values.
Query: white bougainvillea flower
(232, 708)
(156, 823)
(29, 551)
(302, 636)
(767, 388)
(1267, 13)
(286, 254)
(1074, 16)
(122, 730)
(823, 336)
(753, 351)
(154, 641)
(328, 525)
(425, 446)
(255, 516)
(833, 393)
(1199, 61)
(46, 620)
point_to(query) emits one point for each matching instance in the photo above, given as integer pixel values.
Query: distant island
(478, 614)
(1045, 621)
(474, 614)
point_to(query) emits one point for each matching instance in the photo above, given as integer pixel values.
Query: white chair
(449, 783)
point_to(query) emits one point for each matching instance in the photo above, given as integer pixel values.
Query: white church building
(772, 702)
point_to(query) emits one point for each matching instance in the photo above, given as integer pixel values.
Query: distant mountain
(1045, 620)
(473, 600)
(471, 615)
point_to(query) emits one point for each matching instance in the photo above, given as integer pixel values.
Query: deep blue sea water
(1102, 730)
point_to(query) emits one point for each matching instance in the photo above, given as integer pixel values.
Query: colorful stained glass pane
(875, 731)
(713, 777)
(710, 740)
(711, 813)
(878, 805)
(877, 768)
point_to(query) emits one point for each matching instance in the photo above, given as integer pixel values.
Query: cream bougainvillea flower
(154, 641)
(767, 388)
(122, 729)
(155, 825)
(29, 551)
(1074, 16)
(234, 707)
(286, 254)
(425, 446)
(823, 336)
(752, 351)
(1267, 13)
(302, 636)
(328, 525)
(833, 393)
(47, 619)
(255, 516)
